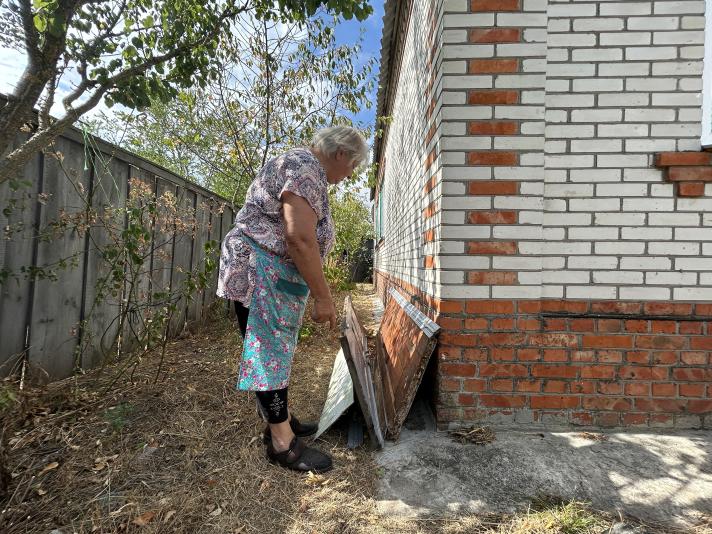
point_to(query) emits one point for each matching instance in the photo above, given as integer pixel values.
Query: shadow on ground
(656, 478)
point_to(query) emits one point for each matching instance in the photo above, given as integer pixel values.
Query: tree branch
(41, 67)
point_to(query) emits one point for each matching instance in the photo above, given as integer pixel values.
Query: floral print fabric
(260, 219)
(276, 311)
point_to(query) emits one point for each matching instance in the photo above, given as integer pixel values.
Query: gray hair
(330, 140)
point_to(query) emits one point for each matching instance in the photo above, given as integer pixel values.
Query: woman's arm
(300, 236)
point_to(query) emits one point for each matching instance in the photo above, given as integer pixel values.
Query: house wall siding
(569, 275)
(408, 158)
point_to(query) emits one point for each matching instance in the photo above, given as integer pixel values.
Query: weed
(552, 515)
(117, 416)
(7, 398)
(306, 331)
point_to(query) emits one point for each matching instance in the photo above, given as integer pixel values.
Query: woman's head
(340, 149)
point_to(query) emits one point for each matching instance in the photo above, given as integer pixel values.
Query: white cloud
(12, 63)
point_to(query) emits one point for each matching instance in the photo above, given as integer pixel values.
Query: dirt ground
(183, 454)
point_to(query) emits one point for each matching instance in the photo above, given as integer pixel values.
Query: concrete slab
(662, 478)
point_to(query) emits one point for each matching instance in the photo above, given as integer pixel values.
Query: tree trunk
(41, 68)
(18, 109)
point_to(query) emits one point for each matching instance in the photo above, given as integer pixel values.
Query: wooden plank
(162, 245)
(408, 338)
(354, 345)
(228, 221)
(15, 253)
(102, 303)
(214, 235)
(181, 261)
(138, 293)
(56, 304)
(382, 383)
(195, 308)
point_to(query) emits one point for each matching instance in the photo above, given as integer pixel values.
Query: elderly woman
(271, 260)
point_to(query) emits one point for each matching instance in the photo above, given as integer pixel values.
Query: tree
(276, 84)
(352, 222)
(124, 51)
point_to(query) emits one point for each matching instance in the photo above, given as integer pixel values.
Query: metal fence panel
(15, 253)
(53, 310)
(56, 304)
(102, 298)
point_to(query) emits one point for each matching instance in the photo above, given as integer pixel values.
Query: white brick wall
(643, 246)
(603, 85)
(529, 143)
(402, 250)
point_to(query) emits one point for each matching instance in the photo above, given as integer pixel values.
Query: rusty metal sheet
(406, 340)
(355, 348)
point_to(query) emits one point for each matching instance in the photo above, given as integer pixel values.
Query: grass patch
(551, 515)
(117, 416)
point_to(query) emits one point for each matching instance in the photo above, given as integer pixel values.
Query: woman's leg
(274, 405)
(242, 315)
(271, 404)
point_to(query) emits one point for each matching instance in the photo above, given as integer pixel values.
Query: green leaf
(40, 23)
(56, 26)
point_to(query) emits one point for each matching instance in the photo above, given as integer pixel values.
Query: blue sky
(13, 62)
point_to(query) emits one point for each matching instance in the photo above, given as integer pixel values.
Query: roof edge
(391, 10)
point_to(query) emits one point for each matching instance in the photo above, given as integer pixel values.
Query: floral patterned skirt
(276, 311)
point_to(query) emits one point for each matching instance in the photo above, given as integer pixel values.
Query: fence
(45, 322)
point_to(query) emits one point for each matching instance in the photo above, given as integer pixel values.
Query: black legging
(272, 404)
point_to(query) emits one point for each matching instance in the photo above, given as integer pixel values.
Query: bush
(352, 222)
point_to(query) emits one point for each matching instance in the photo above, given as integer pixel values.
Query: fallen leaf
(593, 436)
(169, 514)
(49, 467)
(216, 512)
(314, 479)
(144, 519)
(102, 461)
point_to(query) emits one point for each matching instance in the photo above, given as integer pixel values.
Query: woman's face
(341, 166)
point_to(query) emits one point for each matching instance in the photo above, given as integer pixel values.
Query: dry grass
(183, 455)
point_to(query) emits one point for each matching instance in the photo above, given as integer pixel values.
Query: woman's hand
(323, 311)
(300, 236)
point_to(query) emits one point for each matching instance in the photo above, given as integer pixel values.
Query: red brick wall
(690, 171)
(553, 362)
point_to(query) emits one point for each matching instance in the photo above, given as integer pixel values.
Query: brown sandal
(299, 457)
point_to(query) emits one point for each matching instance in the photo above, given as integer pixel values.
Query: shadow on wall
(664, 479)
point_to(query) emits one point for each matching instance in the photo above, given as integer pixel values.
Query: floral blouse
(297, 171)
